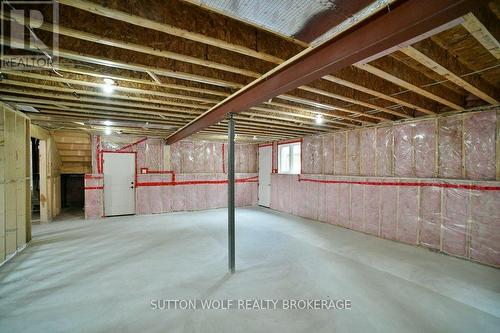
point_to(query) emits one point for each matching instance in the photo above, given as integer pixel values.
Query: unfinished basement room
(250, 166)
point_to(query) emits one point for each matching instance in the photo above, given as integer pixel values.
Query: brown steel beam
(320, 23)
(405, 21)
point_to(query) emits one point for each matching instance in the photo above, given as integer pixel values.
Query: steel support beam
(230, 193)
(405, 21)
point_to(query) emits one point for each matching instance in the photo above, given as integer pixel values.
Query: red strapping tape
(93, 177)
(197, 182)
(132, 144)
(443, 185)
(93, 188)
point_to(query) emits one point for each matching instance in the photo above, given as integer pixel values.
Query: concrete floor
(88, 276)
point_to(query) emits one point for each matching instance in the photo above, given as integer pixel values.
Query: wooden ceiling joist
(188, 77)
(101, 39)
(202, 100)
(378, 94)
(210, 64)
(409, 20)
(408, 85)
(434, 57)
(97, 9)
(483, 25)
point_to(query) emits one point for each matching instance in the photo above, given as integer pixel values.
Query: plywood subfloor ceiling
(170, 61)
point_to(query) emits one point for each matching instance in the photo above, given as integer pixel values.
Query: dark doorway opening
(72, 194)
(35, 181)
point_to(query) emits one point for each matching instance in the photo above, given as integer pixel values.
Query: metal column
(230, 194)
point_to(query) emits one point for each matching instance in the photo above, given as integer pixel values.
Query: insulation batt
(416, 182)
(195, 181)
(463, 222)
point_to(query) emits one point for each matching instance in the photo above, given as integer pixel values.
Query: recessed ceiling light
(107, 131)
(108, 81)
(107, 123)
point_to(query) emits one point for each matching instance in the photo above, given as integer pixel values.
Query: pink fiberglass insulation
(175, 156)
(283, 196)
(142, 197)
(450, 147)
(408, 215)
(328, 157)
(312, 158)
(322, 205)
(199, 192)
(179, 197)
(301, 204)
(425, 148)
(221, 192)
(155, 197)
(485, 228)
(371, 209)
(275, 188)
(150, 154)
(213, 193)
(311, 201)
(166, 195)
(286, 195)
(210, 157)
(388, 210)
(479, 141)
(459, 221)
(331, 201)
(353, 152)
(384, 155)
(297, 196)
(430, 219)
(94, 206)
(368, 145)
(455, 216)
(344, 205)
(157, 194)
(357, 206)
(403, 150)
(339, 158)
(188, 161)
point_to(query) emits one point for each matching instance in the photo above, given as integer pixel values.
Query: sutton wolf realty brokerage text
(250, 304)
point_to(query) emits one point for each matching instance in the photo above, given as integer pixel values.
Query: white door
(265, 168)
(119, 186)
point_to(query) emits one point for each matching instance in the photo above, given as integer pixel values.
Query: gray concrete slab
(100, 276)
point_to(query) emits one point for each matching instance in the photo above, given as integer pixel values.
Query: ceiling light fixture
(107, 123)
(108, 86)
(319, 119)
(107, 131)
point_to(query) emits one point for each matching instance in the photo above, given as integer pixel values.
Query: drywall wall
(14, 182)
(188, 175)
(429, 183)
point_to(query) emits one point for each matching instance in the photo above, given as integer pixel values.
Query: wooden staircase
(75, 151)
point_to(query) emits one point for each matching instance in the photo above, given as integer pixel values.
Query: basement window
(289, 158)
